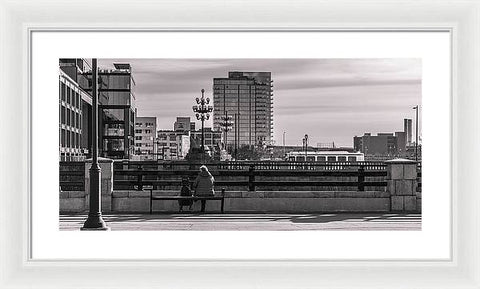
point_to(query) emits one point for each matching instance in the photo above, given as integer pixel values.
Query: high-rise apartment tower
(246, 99)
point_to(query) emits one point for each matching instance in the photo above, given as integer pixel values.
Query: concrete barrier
(261, 202)
(402, 185)
(73, 202)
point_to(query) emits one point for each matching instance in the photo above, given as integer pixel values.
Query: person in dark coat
(203, 185)
(185, 192)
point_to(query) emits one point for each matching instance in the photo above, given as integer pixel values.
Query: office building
(182, 124)
(213, 139)
(116, 111)
(145, 138)
(246, 97)
(175, 144)
(407, 128)
(401, 143)
(384, 144)
(75, 107)
(172, 145)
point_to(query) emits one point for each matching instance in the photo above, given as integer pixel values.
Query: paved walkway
(252, 222)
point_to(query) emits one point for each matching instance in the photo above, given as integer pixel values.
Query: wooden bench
(193, 198)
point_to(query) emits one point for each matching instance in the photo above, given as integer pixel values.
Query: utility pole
(305, 143)
(235, 139)
(155, 155)
(416, 132)
(226, 125)
(94, 220)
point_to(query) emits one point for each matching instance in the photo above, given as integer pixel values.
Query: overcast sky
(331, 100)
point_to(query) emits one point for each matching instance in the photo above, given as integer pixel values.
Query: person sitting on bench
(185, 192)
(203, 185)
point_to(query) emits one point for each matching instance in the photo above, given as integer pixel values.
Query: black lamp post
(226, 125)
(95, 220)
(202, 112)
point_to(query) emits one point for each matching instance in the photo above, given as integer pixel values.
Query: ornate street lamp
(95, 221)
(202, 112)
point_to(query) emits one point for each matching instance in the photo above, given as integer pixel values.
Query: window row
(69, 95)
(70, 139)
(70, 117)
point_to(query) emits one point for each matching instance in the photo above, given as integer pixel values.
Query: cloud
(332, 99)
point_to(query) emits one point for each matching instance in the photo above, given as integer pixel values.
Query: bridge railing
(251, 175)
(72, 176)
(245, 165)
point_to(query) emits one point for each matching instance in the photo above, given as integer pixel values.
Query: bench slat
(193, 198)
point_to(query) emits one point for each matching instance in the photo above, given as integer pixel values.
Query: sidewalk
(252, 222)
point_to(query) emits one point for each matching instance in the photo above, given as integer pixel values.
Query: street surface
(252, 222)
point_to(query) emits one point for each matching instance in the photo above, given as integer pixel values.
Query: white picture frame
(20, 18)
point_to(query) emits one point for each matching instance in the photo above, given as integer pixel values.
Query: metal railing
(251, 175)
(72, 176)
(259, 165)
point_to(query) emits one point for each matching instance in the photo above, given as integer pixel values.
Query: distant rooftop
(125, 66)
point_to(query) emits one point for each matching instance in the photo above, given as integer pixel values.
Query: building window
(332, 158)
(68, 95)
(113, 114)
(62, 118)
(148, 131)
(62, 92)
(352, 159)
(138, 138)
(138, 131)
(113, 145)
(62, 138)
(68, 138)
(342, 159)
(68, 117)
(74, 98)
(74, 123)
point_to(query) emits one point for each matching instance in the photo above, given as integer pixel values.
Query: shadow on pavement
(293, 218)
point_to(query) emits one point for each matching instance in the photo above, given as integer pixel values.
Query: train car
(325, 156)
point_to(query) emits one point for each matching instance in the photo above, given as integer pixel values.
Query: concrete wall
(78, 201)
(73, 202)
(262, 202)
(400, 195)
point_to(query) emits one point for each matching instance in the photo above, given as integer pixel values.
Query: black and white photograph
(240, 144)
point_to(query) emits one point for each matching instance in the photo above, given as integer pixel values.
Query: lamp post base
(95, 222)
(95, 229)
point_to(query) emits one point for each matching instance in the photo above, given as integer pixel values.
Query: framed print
(249, 146)
(308, 206)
